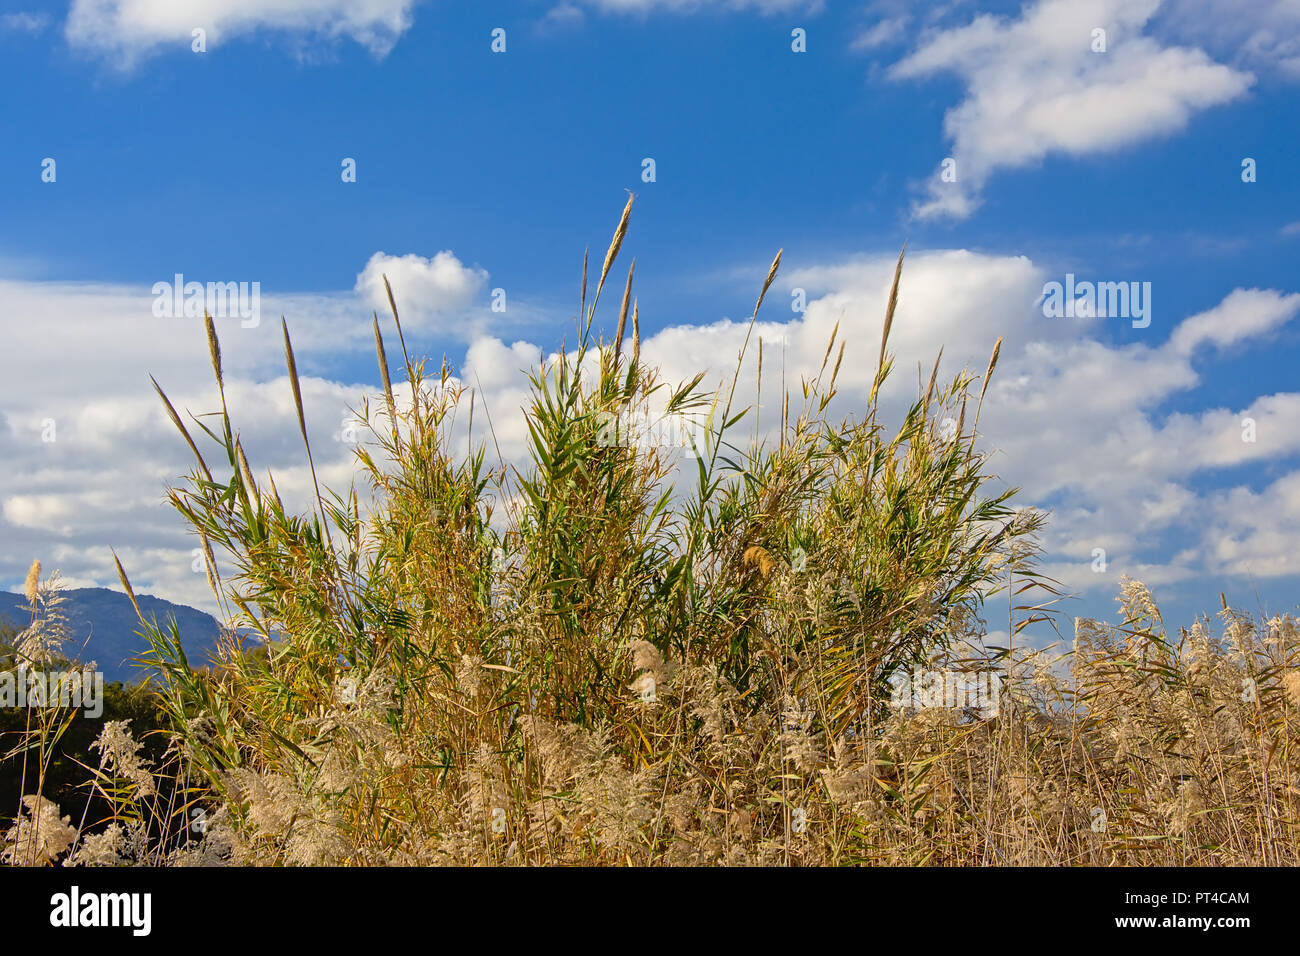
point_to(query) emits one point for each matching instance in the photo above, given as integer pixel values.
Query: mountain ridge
(102, 627)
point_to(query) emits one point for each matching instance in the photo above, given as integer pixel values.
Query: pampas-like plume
(622, 315)
(32, 586)
(889, 324)
(382, 358)
(176, 420)
(214, 350)
(401, 339)
(245, 471)
(767, 283)
(302, 420)
(126, 584)
(988, 376)
(636, 335)
(615, 245)
(934, 375)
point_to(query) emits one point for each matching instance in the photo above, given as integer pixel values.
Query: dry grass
(616, 670)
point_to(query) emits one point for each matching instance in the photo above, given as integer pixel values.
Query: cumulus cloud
(1076, 422)
(1254, 533)
(1244, 314)
(87, 471)
(126, 30)
(1035, 86)
(1262, 34)
(88, 451)
(433, 291)
(1078, 425)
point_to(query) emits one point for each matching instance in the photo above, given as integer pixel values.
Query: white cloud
(101, 482)
(882, 33)
(1075, 422)
(1078, 424)
(1035, 87)
(1254, 533)
(1262, 34)
(23, 22)
(125, 30)
(429, 292)
(76, 369)
(1246, 313)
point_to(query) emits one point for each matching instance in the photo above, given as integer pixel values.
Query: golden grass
(618, 670)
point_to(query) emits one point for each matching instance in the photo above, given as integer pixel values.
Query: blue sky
(224, 165)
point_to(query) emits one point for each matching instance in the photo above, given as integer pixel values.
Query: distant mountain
(103, 625)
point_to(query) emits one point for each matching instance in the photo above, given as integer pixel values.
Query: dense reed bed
(615, 654)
